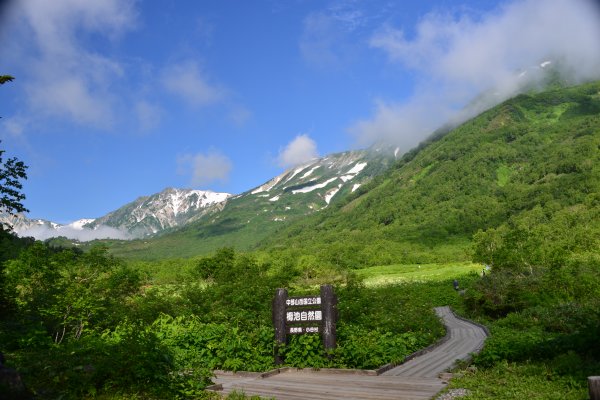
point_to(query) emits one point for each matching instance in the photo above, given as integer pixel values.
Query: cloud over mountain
(298, 151)
(458, 56)
(43, 232)
(205, 168)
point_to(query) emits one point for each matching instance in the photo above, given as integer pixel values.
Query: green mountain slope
(533, 151)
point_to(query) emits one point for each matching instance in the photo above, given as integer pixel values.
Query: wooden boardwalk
(462, 339)
(418, 378)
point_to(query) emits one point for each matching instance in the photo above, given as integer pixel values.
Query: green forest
(516, 189)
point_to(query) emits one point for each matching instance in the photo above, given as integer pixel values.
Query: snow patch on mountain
(267, 186)
(306, 175)
(296, 172)
(329, 195)
(181, 201)
(357, 168)
(79, 224)
(314, 187)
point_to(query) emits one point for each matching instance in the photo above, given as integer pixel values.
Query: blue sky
(116, 99)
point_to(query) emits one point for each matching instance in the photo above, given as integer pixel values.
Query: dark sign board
(304, 315)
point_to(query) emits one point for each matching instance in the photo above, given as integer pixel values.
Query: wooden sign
(304, 315)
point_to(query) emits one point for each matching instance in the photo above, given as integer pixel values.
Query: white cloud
(42, 232)
(459, 57)
(318, 41)
(298, 151)
(14, 126)
(187, 81)
(402, 124)
(72, 97)
(328, 38)
(239, 115)
(205, 168)
(56, 23)
(65, 79)
(148, 115)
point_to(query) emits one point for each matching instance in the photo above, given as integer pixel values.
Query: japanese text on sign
(299, 316)
(303, 301)
(303, 329)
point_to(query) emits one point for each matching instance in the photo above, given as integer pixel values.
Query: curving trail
(415, 379)
(462, 339)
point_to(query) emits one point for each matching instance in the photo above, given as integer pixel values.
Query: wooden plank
(285, 389)
(319, 386)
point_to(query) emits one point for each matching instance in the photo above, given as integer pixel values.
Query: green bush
(129, 359)
(68, 292)
(208, 346)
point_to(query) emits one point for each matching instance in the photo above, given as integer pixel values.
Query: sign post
(279, 323)
(304, 315)
(329, 300)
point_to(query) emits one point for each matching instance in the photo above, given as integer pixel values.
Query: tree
(5, 78)
(11, 172)
(69, 292)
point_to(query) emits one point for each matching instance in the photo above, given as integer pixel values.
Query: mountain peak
(167, 209)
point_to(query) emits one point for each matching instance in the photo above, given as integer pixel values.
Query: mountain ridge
(317, 182)
(149, 215)
(249, 217)
(142, 217)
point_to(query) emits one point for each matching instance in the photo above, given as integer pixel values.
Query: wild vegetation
(542, 305)
(516, 189)
(86, 324)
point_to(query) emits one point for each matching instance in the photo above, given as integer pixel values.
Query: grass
(402, 273)
(503, 174)
(509, 380)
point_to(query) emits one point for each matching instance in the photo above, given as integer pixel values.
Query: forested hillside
(533, 158)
